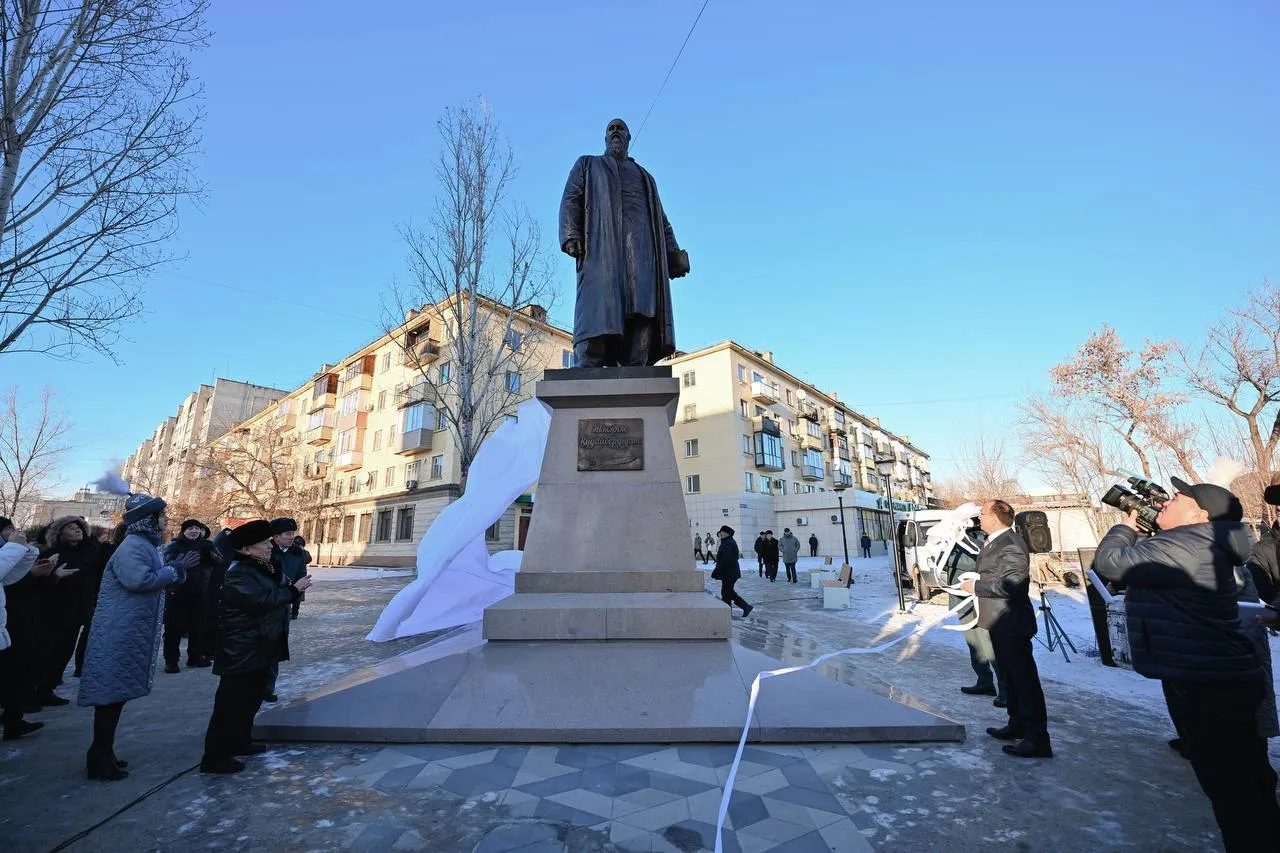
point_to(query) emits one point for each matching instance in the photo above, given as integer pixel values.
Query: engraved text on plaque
(611, 444)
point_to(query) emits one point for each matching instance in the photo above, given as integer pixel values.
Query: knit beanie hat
(138, 507)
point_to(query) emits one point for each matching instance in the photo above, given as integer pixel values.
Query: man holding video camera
(1184, 629)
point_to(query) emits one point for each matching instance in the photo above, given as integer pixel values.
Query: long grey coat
(590, 213)
(120, 661)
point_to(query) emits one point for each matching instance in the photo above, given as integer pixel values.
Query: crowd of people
(1184, 585)
(113, 600)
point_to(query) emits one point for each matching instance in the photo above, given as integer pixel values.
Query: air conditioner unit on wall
(411, 484)
(802, 521)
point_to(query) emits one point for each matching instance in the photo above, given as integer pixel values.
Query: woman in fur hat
(120, 661)
(253, 636)
(184, 604)
(68, 540)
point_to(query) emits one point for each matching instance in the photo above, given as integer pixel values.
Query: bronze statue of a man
(612, 224)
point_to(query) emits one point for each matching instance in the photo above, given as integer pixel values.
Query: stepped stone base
(608, 616)
(460, 689)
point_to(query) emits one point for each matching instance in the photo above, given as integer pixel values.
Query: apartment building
(166, 463)
(759, 448)
(362, 453)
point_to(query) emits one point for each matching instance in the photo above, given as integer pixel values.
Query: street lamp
(839, 490)
(884, 466)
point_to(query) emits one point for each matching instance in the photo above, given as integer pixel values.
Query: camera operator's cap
(1215, 500)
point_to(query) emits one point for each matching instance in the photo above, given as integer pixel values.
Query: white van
(928, 569)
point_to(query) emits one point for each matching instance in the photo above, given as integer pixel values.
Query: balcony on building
(358, 375)
(349, 460)
(838, 422)
(843, 479)
(419, 392)
(764, 392)
(419, 351)
(353, 420)
(414, 441)
(841, 452)
(812, 472)
(315, 471)
(812, 442)
(284, 421)
(324, 393)
(808, 411)
(320, 435)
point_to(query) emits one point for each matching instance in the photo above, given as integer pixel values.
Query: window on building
(319, 419)
(513, 382)
(373, 479)
(281, 410)
(390, 479)
(414, 417)
(377, 439)
(813, 429)
(437, 467)
(348, 528)
(788, 396)
(386, 362)
(766, 485)
(758, 411)
(411, 469)
(404, 523)
(782, 487)
(328, 488)
(693, 484)
(690, 412)
(384, 526)
(742, 374)
(768, 451)
(350, 403)
(690, 447)
(346, 441)
(566, 358)
(353, 485)
(844, 474)
(340, 486)
(442, 420)
(382, 400)
(796, 488)
(689, 379)
(334, 525)
(749, 481)
(493, 531)
(746, 444)
(446, 370)
(513, 340)
(366, 526)
(813, 464)
(795, 459)
(742, 408)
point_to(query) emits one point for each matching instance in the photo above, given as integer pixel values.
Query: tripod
(1054, 635)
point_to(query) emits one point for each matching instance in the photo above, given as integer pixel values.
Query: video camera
(1146, 499)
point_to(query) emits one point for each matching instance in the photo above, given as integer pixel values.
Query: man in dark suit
(1004, 609)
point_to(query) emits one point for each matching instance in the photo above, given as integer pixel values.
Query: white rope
(966, 601)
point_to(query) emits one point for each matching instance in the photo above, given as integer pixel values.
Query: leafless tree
(986, 471)
(98, 127)
(30, 450)
(1072, 451)
(1238, 369)
(254, 471)
(1125, 393)
(479, 288)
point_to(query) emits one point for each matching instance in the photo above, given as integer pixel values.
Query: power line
(669, 70)
(346, 314)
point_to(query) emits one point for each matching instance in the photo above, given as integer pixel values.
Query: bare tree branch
(30, 450)
(472, 316)
(99, 123)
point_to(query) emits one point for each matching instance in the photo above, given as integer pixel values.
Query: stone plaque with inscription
(611, 444)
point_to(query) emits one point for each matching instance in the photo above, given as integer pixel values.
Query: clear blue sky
(905, 202)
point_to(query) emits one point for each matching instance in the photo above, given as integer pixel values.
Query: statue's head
(617, 138)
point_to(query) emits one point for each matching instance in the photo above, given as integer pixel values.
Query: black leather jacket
(253, 618)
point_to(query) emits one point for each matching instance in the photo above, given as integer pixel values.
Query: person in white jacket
(17, 558)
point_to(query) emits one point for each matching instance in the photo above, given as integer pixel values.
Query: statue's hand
(573, 248)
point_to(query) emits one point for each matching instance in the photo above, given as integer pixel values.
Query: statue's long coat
(591, 212)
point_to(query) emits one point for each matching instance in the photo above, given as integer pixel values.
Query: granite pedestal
(606, 638)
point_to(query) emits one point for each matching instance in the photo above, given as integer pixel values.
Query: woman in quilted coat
(120, 659)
